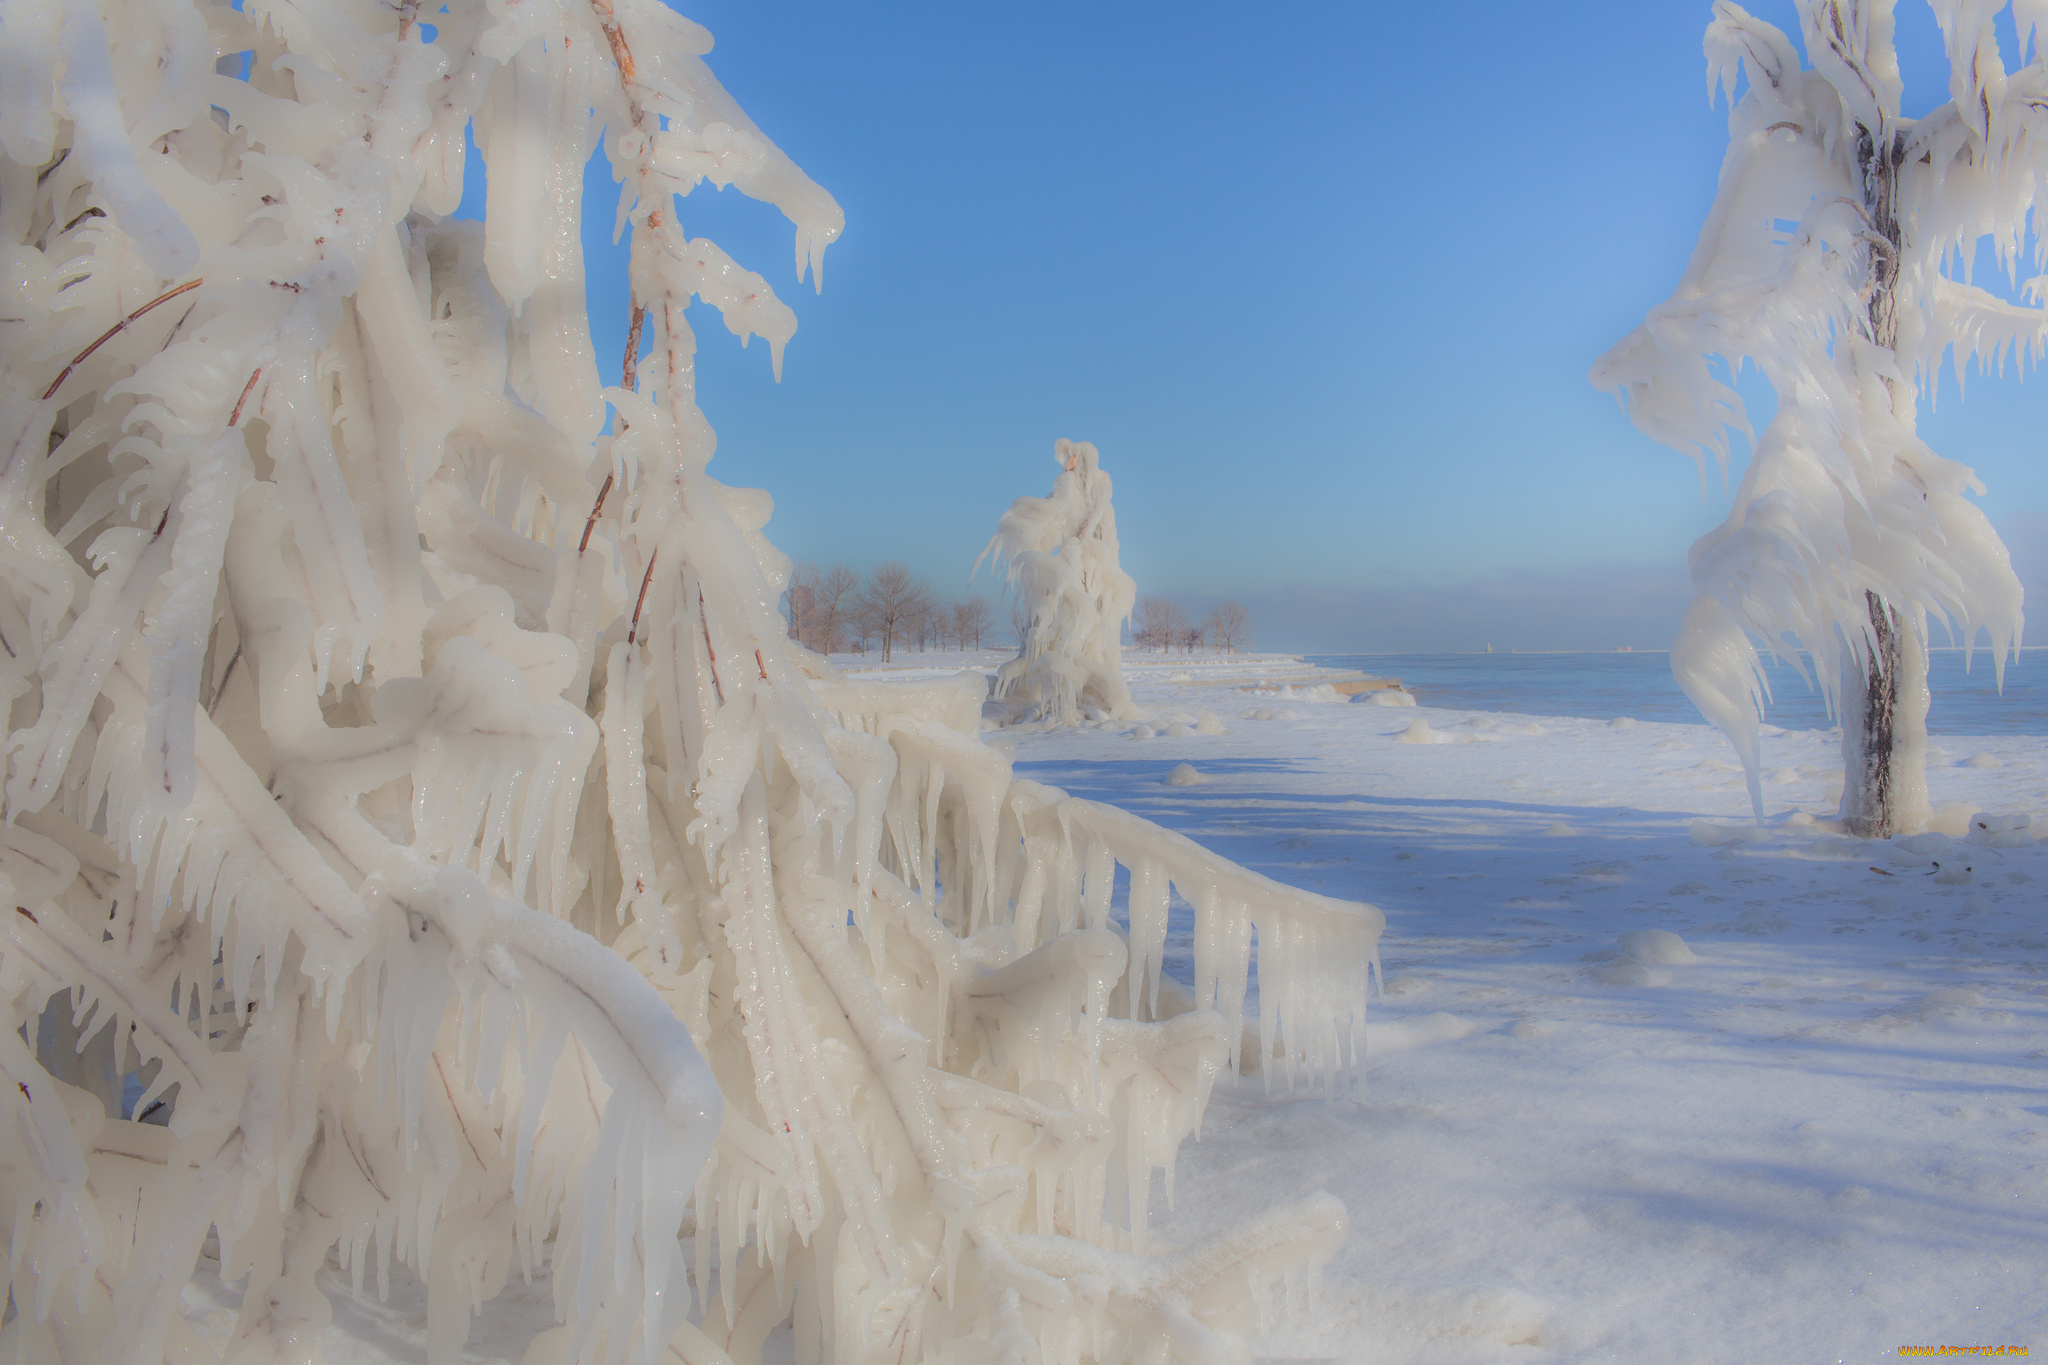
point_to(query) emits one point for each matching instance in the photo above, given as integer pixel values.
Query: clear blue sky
(1321, 281)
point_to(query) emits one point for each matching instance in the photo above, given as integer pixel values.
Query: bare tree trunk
(1884, 780)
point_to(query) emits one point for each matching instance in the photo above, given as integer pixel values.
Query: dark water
(1604, 686)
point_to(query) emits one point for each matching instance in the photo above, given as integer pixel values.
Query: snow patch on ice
(1400, 1035)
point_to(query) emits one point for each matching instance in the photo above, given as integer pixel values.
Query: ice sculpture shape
(1062, 557)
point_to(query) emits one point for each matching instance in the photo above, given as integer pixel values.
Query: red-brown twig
(591, 520)
(630, 371)
(247, 389)
(112, 332)
(608, 20)
(761, 664)
(717, 688)
(633, 631)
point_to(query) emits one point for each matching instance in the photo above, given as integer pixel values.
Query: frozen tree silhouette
(426, 843)
(1837, 259)
(1062, 554)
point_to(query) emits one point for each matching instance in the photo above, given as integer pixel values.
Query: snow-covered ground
(1825, 1139)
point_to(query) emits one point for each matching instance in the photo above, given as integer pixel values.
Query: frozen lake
(1967, 701)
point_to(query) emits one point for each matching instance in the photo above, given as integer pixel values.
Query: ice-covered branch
(429, 846)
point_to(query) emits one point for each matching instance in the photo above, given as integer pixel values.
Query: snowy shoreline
(1826, 1138)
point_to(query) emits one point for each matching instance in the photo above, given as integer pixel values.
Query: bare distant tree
(1229, 627)
(826, 617)
(1160, 624)
(891, 604)
(970, 619)
(1191, 639)
(800, 598)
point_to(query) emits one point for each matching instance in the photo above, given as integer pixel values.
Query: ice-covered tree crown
(427, 844)
(1836, 259)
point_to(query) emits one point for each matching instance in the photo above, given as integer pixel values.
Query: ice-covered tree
(1837, 258)
(1062, 555)
(426, 844)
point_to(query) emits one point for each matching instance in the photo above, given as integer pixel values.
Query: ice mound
(1418, 732)
(1659, 946)
(1207, 724)
(1561, 830)
(1184, 775)
(1623, 723)
(1143, 732)
(1268, 713)
(1954, 872)
(1980, 761)
(1178, 730)
(2001, 831)
(1643, 957)
(1388, 696)
(1400, 1035)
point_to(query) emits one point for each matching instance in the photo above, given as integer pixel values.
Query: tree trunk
(1884, 692)
(1884, 729)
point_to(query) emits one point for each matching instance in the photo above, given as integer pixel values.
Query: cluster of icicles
(1062, 557)
(424, 842)
(1842, 499)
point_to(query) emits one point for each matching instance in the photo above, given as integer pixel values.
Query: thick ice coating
(423, 842)
(1836, 259)
(1062, 555)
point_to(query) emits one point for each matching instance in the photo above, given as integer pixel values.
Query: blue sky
(1321, 281)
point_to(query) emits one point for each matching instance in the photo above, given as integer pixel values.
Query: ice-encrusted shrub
(1062, 555)
(423, 842)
